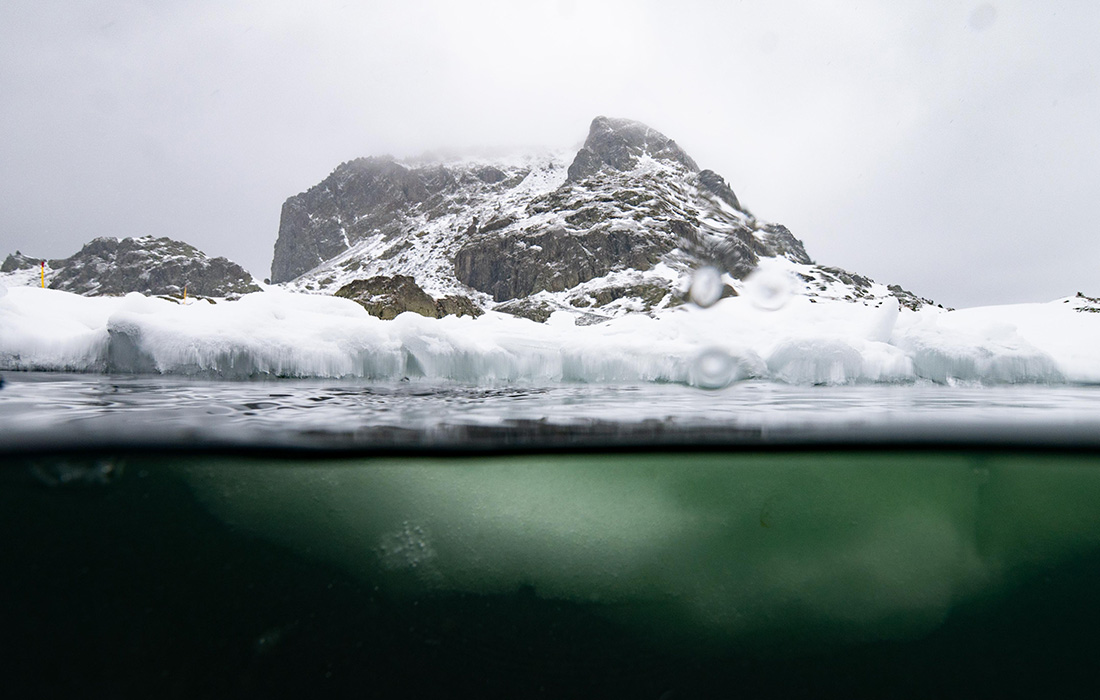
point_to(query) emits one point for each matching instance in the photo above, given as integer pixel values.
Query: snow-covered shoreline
(277, 333)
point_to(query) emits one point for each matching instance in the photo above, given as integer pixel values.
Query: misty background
(950, 147)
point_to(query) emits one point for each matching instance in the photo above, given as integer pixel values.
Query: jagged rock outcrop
(18, 261)
(632, 197)
(618, 145)
(387, 297)
(627, 216)
(509, 267)
(718, 186)
(1085, 304)
(535, 310)
(152, 266)
(361, 197)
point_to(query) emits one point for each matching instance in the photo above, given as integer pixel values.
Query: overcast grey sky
(951, 147)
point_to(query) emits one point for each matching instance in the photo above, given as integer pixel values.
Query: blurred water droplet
(769, 289)
(706, 286)
(714, 368)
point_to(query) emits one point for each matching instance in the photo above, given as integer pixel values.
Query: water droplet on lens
(769, 289)
(706, 286)
(714, 368)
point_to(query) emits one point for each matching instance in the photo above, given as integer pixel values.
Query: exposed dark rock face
(152, 266)
(646, 295)
(616, 219)
(610, 215)
(457, 305)
(619, 143)
(554, 260)
(629, 200)
(320, 223)
(782, 242)
(849, 278)
(717, 185)
(359, 198)
(907, 298)
(387, 297)
(490, 174)
(537, 311)
(18, 261)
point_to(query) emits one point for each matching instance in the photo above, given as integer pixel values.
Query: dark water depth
(870, 574)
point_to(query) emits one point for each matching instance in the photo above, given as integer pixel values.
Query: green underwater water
(787, 573)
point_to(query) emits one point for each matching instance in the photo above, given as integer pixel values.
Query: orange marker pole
(43, 263)
(185, 292)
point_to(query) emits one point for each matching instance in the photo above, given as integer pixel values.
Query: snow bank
(277, 333)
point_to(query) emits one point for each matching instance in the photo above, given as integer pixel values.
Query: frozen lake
(73, 410)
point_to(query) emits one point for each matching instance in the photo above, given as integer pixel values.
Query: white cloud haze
(950, 147)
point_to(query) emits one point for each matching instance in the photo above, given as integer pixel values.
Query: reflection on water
(48, 407)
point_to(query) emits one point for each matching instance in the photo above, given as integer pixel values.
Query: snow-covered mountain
(480, 248)
(148, 265)
(618, 226)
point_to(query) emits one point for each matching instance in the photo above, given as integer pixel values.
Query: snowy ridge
(25, 278)
(429, 238)
(804, 341)
(615, 228)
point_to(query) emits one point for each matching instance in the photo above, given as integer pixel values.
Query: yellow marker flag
(43, 263)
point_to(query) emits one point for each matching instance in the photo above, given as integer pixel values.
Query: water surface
(46, 408)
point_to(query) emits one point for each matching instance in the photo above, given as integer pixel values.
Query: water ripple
(38, 405)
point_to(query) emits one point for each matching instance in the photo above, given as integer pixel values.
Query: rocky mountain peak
(618, 144)
(18, 261)
(617, 227)
(153, 266)
(361, 197)
(718, 186)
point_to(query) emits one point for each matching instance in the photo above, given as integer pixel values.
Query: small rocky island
(148, 265)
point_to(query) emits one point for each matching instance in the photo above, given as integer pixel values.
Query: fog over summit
(620, 225)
